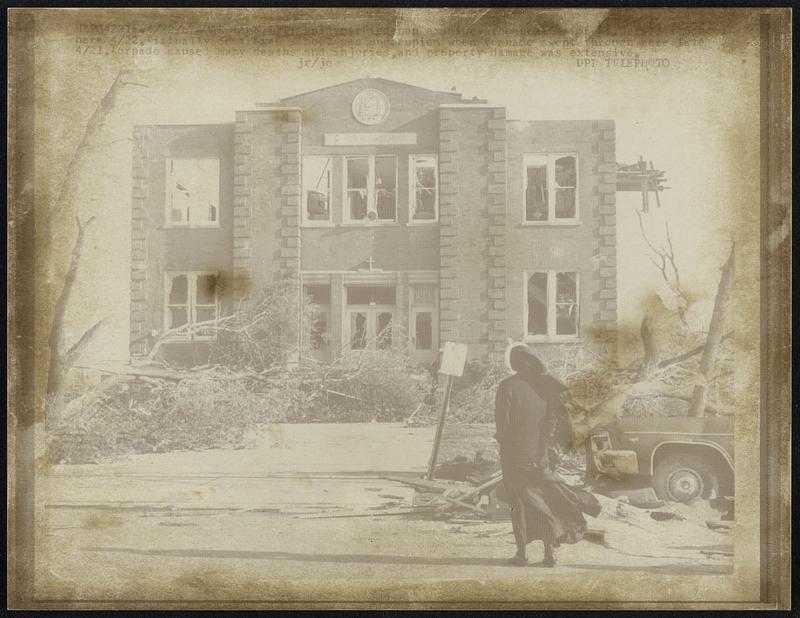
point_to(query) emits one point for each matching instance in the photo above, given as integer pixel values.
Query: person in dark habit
(530, 420)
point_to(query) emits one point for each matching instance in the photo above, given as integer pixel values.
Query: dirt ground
(275, 523)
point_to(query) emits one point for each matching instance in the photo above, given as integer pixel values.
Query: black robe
(528, 414)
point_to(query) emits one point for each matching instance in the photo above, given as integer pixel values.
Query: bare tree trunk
(715, 336)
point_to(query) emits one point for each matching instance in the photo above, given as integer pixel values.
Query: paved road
(230, 525)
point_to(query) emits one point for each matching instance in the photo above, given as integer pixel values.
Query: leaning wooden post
(440, 427)
(454, 356)
(698, 405)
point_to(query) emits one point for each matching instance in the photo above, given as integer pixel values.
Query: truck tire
(684, 477)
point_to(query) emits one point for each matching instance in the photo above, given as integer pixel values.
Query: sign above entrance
(370, 139)
(370, 106)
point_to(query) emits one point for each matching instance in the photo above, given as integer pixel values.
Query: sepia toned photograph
(399, 308)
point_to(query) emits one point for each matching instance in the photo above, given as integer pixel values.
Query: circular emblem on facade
(370, 106)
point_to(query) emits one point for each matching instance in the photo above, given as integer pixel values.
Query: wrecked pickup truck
(684, 457)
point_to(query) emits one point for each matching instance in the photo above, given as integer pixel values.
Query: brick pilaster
(496, 211)
(605, 232)
(139, 309)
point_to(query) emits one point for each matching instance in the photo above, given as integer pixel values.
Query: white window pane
(565, 173)
(206, 289)
(357, 203)
(565, 203)
(423, 173)
(193, 190)
(386, 187)
(317, 174)
(383, 331)
(537, 304)
(179, 290)
(536, 193)
(358, 331)
(566, 303)
(205, 314)
(178, 316)
(357, 173)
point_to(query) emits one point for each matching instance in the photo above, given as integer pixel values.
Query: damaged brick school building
(411, 216)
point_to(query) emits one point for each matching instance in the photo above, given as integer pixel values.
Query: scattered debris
(643, 498)
(665, 515)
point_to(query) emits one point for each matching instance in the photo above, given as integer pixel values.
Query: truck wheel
(683, 478)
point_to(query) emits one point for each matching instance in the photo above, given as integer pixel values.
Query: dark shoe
(518, 560)
(549, 558)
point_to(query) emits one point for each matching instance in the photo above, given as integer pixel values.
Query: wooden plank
(388, 512)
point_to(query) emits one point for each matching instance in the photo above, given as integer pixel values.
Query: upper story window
(551, 308)
(423, 193)
(192, 305)
(370, 188)
(192, 196)
(317, 189)
(550, 188)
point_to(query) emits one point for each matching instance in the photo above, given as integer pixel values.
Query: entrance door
(424, 334)
(369, 327)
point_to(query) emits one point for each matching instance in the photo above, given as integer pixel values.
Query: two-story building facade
(409, 216)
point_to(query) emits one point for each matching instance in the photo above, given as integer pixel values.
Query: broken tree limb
(61, 359)
(714, 336)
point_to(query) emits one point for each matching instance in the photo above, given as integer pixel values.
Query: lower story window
(552, 304)
(319, 299)
(192, 305)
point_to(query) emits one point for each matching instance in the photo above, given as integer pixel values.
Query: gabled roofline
(381, 79)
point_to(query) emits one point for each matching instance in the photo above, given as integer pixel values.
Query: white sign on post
(453, 358)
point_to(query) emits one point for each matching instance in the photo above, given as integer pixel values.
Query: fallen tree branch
(688, 354)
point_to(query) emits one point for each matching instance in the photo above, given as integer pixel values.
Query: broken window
(192, 196)
(565, 185)
(317, 175)
(552, 304)
(550, 188)
(319, 299)
(537, 304)
(192, 300)
(423, 193)
(385, 188)
(536, 193)
(371, 188)
(358, 330)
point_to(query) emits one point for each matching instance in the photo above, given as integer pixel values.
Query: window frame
(168, 192)
(305, 221)
(315, 310)
(371, 203)
(552, 325)
(412, 188)
(191, 291)
(550, 158)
